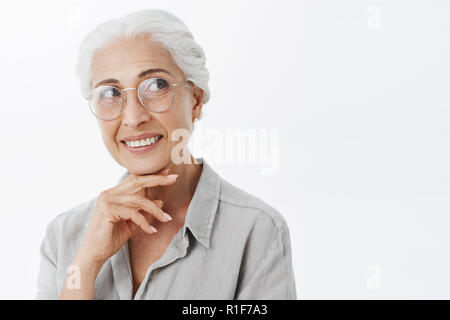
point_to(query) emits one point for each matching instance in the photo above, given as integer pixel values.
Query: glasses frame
(171, 85)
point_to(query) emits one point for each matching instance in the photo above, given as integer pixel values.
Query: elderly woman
(171, 228)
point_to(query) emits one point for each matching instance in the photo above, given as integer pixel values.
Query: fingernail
(153, 229)
(169, 218)
(172, 176)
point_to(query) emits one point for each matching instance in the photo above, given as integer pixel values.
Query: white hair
(163, 27)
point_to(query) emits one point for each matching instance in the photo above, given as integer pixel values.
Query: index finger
(135, 183)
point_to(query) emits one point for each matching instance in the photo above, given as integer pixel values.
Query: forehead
(128, 57)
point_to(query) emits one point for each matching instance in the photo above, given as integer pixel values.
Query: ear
(197, 97)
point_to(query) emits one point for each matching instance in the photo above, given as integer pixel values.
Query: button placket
(177, 249)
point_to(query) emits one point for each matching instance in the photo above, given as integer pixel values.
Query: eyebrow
(141, 75)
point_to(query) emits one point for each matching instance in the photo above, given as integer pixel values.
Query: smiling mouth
(142, 142)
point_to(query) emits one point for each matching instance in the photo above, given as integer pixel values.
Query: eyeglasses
(155, 94)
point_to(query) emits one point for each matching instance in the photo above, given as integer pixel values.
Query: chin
(143, 167)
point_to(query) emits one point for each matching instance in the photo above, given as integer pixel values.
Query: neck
(176, 197)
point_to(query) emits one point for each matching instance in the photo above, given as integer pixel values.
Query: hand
(117, 215)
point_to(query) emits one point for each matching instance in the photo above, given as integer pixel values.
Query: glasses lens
(156, 94)
(106, 102)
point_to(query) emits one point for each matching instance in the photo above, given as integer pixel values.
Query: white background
(359, 93)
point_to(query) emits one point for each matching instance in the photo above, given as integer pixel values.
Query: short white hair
(164, 27)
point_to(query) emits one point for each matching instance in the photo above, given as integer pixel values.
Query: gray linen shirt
(231, 246)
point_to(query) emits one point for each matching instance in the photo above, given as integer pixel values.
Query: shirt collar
(203, 206)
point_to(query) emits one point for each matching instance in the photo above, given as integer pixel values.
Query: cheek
(109, 130)
(182, 114)
(177, 124)
(179, 120)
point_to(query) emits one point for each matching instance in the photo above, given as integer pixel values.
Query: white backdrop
(357, 91)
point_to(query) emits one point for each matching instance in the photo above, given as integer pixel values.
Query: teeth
(142, 142)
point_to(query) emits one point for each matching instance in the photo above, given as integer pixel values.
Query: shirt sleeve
(46, 281)
(272, 278)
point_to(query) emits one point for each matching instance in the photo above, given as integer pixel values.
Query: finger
(159, 203)
(133, 200)
(141, 182)
(131, 225)
(138, 201)
(118, 213)
(164, 171)
(139, 219)
(127, 225)
(134, 183)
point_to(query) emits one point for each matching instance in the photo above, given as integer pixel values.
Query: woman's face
(123, 60)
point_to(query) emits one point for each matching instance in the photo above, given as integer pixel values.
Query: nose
(134, 113)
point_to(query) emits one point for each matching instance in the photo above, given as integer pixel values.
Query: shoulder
(246, 207)
(70, 223)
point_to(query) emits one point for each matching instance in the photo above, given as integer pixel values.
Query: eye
(155, 85)
(109, 93)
